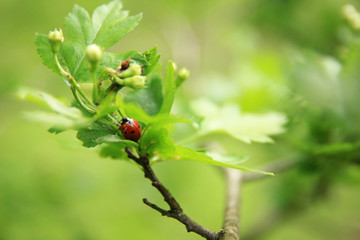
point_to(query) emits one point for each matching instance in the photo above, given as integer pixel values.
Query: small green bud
(183, 74)
(93, 54)
(133, 70)
(134, 82)
(56, 38)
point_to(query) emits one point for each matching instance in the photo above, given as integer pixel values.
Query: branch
(275, 167)
(231, 224)
(175, 211)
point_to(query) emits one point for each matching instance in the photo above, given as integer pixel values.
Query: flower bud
(134, 82)
(93, 54)
(352, 16)
(133, 70)
(349, 10)
(55, 37)
(183, 74)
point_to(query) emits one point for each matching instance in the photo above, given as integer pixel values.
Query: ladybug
(130, 129)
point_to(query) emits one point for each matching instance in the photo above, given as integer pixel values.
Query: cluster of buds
(352, 16)
(129, 75)
(56, 38)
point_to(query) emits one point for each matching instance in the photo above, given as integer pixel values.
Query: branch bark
(231, 225)
(175, 211)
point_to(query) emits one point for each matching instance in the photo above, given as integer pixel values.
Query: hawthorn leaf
(51, 102)
(216, 159)
(156, 142)
(169, 89)
(57, 122)
(114, 150)
(148, 60)
(107, 25)
(136, 112)
(92, 135)
(150, 99)
(245, 127)
(44, 50)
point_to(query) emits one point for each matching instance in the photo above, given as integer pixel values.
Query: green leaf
(63, 118)
(214, 159)
(111, 24)
(107, 26)
(169, 91)
(44, 50)
(52, 103)
(245, 127)
(105, 108)
(59, 123)
(115, 150)
(150, 99)
(138, 113)
(93, 134)
(148, 60)
(156, 142)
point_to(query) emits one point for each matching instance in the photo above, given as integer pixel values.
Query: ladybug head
(125, 120)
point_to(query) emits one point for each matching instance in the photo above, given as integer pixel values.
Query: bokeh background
(250, 52)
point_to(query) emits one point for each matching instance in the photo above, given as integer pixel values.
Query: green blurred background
(245, 52)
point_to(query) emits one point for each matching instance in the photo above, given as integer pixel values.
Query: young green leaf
(52, 103)
(148, 60)
(169, 90)
(150, 99)
(114, 150)
(92, 135)
(44, 50)
(107, 26)
(245, 127)
(214, 159)
(59, 123)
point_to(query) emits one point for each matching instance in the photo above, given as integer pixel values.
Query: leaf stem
(95, 87)
(75, 88)
(82, 104)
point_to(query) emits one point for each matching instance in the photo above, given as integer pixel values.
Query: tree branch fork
(175, 212)
(234, 180)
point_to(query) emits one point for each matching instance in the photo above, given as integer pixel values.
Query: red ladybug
(130, 129)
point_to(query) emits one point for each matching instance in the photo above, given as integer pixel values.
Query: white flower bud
(56, 38)
(182, 75)
(133, 70)
(134, 82)
(93, 54)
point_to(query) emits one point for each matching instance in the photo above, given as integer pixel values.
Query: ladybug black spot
(124, 133)
(132, 131)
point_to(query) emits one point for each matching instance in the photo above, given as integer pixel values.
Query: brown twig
(275, 167)
(231, 223)
(175, 211)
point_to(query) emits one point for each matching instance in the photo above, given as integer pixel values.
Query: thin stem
(231, 223)
(175, 211)
(95, 86)
(74, 85)
(83, 95)
(121, 113)
(82, 104)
